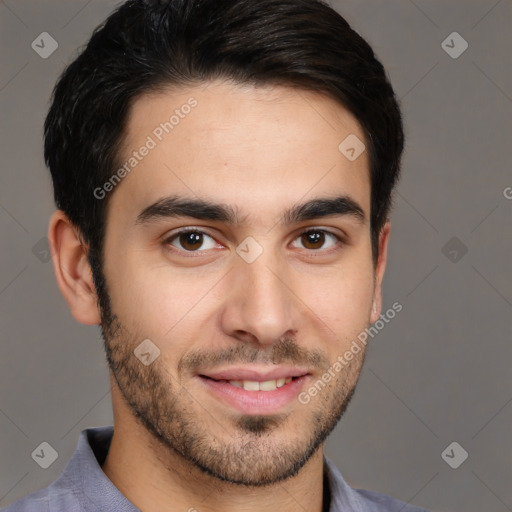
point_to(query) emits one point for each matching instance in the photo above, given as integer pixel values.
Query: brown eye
(317, 239)
(191, 241)
(313, 239)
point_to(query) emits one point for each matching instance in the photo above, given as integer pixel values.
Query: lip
(255, 402)
(261, 375)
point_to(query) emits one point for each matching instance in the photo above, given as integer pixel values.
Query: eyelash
(168, 240)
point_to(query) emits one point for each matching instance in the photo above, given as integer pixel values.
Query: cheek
(342, 300)
(155, 301)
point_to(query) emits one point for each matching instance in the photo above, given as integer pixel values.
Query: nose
(260, 306)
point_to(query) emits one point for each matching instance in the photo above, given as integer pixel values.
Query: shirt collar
(343, 497)
(85, 467)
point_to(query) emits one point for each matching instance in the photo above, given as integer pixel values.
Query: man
(223, 175)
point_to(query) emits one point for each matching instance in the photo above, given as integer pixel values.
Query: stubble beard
(250, 450)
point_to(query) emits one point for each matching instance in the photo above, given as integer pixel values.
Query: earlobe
(379, 271)
(72, 269)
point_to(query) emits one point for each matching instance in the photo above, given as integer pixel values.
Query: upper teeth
(254, 385)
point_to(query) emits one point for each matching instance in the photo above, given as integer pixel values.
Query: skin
(176, 445)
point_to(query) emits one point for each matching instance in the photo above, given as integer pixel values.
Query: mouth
(256, 393)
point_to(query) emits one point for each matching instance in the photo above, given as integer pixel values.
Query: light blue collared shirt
(84, 487)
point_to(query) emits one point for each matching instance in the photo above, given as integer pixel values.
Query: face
(238, 247)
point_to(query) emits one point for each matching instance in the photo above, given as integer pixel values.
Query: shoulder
(345, 497)
(50, 499)
(37, 501)
(376, 502)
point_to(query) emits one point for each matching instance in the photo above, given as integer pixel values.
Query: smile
(254, 395)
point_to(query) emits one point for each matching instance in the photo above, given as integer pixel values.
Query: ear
(72, 269)
(380, 267)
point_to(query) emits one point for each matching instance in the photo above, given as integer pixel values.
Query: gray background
(437, 373)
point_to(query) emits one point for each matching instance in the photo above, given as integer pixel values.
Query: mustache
(284, 351)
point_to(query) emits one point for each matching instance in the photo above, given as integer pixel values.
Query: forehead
(253, 147)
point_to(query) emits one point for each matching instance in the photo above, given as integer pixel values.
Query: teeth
(268, 385)
(253, 385)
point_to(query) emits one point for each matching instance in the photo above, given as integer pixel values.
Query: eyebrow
(179, 206)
